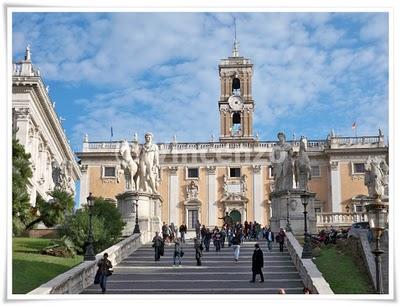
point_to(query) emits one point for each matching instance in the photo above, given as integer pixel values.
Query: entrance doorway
(236, 216)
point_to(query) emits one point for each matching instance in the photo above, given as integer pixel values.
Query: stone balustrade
(326, 220)
(309, 273)
(80, 277)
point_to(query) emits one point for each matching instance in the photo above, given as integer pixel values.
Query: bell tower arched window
(236, 86)
(236, 124)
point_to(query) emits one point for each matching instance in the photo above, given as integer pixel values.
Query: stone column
(258, 191)
(336, 189)
(173, 195)
(212, 195)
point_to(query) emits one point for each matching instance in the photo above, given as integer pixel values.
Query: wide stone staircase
(218, 274)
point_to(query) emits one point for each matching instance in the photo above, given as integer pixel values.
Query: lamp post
(307, 249)
(288, 227)
(89, 252)
(377, 218)
(136, 230)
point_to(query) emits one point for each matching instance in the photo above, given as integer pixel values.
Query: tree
(107, 226)
(21, 173)
(54, 211)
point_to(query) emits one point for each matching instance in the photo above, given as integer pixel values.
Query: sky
(158, 72)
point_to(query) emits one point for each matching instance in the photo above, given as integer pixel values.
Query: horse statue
(302, 166)
(128, 166)
(376, 176)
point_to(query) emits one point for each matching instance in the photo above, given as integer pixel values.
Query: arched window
(236, 86)
(236, 124)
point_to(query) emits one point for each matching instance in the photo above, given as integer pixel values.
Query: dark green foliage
(21, 173)
(107, 225)
(54, 211)
(63, 247)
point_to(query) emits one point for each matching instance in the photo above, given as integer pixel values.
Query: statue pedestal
(296, 212)
(149, 213)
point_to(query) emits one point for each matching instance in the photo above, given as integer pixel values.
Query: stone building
(40, 131)
(205, 180)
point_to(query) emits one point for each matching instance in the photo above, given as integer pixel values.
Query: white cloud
(159, 72)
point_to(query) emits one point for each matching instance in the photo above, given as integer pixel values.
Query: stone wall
(80, 277)
(309, 273)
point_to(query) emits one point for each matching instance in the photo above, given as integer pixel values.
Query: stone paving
(218, 274)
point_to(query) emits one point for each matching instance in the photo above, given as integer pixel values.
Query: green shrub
(107, 226)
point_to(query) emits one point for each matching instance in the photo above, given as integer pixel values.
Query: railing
(256, 146)
(326, 220)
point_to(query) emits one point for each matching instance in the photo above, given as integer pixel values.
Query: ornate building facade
(205, 180)
(39, 130)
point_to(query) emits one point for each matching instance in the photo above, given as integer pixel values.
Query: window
(315, 171)
(358, 168)
(109, 171)
(359, 208)
(236, 124)
(317, 210)
(192, 173)
(234, 172)
(193, 216)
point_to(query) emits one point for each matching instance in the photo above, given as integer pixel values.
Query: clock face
(235, 102)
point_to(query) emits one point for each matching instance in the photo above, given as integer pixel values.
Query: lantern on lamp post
(136, 230)
(377, 217)
(89, 252)
(307, 249)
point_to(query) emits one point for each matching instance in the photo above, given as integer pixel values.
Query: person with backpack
(198, 249)
(236, 246)
(104, 266)
(178, 252)
(158, 245)
(280, 238)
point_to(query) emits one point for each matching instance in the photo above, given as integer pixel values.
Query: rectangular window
(192, 173)
(234, 172)
(109, 172)
(358, 168)
(315, 171)
(193, 216)
(317, 210)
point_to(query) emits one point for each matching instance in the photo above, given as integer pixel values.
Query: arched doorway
(236, 216)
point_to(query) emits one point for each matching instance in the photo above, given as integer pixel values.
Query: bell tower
(236, 104)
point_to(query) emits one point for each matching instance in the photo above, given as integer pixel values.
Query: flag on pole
(353, 126)
(112, 133)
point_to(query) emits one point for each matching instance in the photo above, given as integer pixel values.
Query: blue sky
(158, 72)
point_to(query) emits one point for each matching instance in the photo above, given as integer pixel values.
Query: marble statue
(129, 166)
(225, 180)
(149, 166)
(282, 164)
(376, 176)
(192, 191)
(243, 184)
(302, 167)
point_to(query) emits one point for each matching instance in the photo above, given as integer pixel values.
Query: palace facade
(39, 130)
(205, 180)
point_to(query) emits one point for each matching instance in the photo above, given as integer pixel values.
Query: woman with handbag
(103, 272)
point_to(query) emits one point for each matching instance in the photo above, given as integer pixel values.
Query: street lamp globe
(377, 218)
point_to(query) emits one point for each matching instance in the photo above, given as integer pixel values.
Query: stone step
(218, 274)
(227, 290)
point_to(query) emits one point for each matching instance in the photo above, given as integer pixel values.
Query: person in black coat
(257, 263)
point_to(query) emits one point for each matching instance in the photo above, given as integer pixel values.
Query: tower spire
(235, 50)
